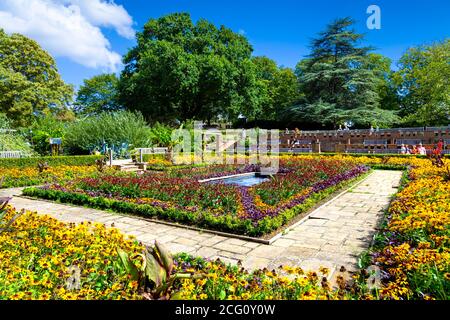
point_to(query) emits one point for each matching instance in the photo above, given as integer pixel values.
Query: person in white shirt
(403, 149)
(422, 149)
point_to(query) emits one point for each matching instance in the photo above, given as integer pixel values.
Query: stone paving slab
(334, 235)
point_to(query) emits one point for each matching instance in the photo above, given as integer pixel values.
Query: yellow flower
(245, 296)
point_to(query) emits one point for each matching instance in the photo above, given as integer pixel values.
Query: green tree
(97, 94)
(30, 83)
(337, 84)
(279, 88)
(181, 70)
(5, 122)
(424, 85)
(386, 86)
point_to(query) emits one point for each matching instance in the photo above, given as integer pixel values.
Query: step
(130, 168)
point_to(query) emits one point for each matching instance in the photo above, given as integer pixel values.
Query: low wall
(365, 140)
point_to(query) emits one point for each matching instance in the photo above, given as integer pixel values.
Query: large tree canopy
(385, 84)
(98, 94)
(29, 80)
(337, 82)
(181, 70)
(279, 88)
(423, 81)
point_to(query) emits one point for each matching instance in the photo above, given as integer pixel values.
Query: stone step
(129, 168)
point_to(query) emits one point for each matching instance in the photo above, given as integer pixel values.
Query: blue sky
(279, 29)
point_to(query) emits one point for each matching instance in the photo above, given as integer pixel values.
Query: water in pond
(244, 181)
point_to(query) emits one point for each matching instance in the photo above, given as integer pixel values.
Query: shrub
(161, 135)
(15, 142)
(43, 129)
(5, 122)
(122, 130)
(51, 161)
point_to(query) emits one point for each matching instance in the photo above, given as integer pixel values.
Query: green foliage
(279, 88)
(5, 122)
(114, 129)
(386, 87)
(160, 134)
(423, 83)
(98, 94)
(12, 141)
(15, 142)
(44, 128)
(30, 81)
(338, 83)
(5, 224)
(155, 273)
(51, 161)
(181, 70)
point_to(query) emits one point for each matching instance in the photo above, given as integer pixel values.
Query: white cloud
(69, 28)
(107, 14)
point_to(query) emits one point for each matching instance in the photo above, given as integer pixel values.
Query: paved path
(333, 235)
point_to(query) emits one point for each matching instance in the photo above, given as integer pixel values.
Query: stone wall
(382, 140)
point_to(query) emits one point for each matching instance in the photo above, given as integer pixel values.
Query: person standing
(421, 149)
(403, 149)
(440, 145)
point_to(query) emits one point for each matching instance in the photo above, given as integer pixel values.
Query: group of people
(420, 149)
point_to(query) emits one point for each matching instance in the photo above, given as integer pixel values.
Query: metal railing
(356, 131)
(375, 142)
(154, 151)
(408, 141)
(11, 154)
(7, 131)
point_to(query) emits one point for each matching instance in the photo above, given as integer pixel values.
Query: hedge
(52, 161)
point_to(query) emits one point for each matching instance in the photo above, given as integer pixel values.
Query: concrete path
(334, 235)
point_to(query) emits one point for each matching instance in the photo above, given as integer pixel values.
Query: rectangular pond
(244, 180)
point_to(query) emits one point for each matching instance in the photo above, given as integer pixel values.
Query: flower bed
(228, 282)
(20, 177)
(42, 258)
(178, 196)
(45, 259)
(25, 171)
(413, 249)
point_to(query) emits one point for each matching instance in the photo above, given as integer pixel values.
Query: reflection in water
(244, 181)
